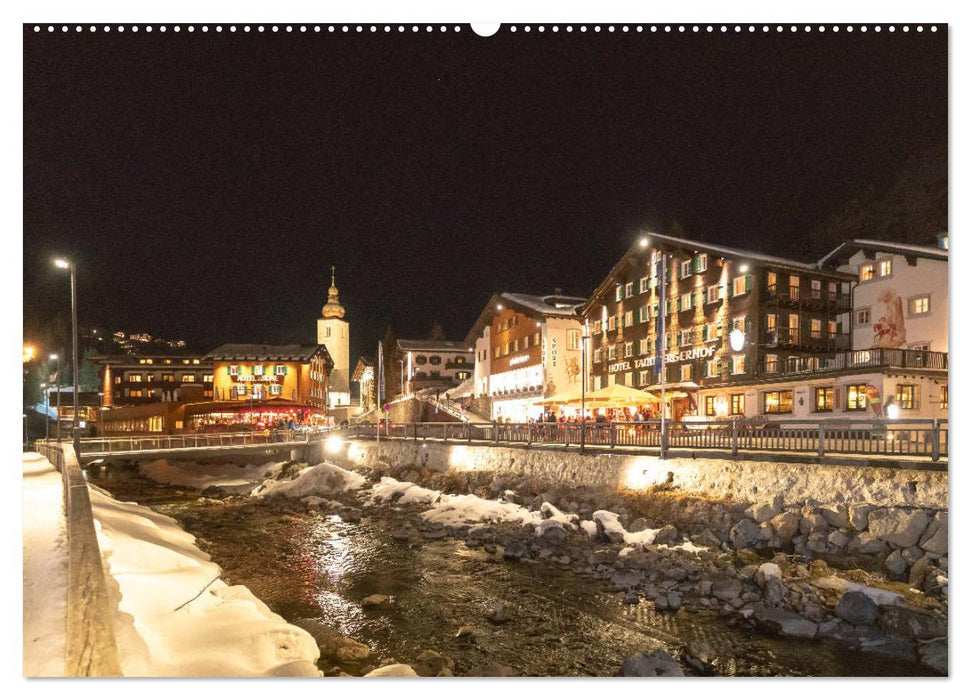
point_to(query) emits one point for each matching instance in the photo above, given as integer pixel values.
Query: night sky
(205, 183)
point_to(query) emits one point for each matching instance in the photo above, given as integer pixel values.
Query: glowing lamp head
(53, 357)
(62, 263)
(29, 353)
(743, 267)
(644, 242)
(498, 307)
(333, 445)
(736, 340)
(893, 411)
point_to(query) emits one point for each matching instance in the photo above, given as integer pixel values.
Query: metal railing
(136, 443)
(90, 648)
(859, 359)
(919, 438)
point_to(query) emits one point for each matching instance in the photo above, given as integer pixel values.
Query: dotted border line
(510, 28)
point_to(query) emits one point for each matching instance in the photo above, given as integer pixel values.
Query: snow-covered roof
(434, 345)
(845, 250)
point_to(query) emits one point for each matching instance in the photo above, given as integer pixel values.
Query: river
(318, 566)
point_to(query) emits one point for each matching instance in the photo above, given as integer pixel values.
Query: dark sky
(205, 183)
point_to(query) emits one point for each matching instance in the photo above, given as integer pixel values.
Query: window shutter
(748, 283)
(748, 326)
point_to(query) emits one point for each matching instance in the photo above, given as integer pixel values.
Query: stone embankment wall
(893, 518)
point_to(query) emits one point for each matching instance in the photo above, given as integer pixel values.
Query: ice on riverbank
(407, 492)
(468, 509)
(175, 616)
(323, 479)
(45, 568)
(612, 527)
(228, 476)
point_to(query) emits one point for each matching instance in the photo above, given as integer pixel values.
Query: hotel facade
(429, 364)
(526, 348)
(129, 380)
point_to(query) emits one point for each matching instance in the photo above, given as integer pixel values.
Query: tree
(437, 332)
(392, 366)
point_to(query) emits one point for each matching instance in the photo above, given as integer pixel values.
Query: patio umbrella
(564, 397)
(618, 395)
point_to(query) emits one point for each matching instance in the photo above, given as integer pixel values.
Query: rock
(466, 632)
(784, 622)
(836, 515)
(870, 544)
(901, 527)
(431, 664)
(674, 601)
(632, 598)
(657, 663)
(627, 579)
(905, 621)
(726, 589)
(603, 556)
(935, 538)
(857, 608)
(744, 533)
(918, 572)
(817, 542)
(707, 538)
(661, 602)
(400, 535)
(493, 671)
(667, 535)
(785, 525)
(333, 645)
(639, 525)
(394, 670)
(838, 539)
(934, 655)
(762, 512)
(376, 601)
(858, 514)
(498, 614)
(701, 656)
(895, 563)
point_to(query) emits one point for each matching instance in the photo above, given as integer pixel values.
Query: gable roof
(269, 353)
(434, 345)
(844, 251)
(555, 305)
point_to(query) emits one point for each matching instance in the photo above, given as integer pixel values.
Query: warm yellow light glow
(644, 242)
(644, 472)
(743, 268)
(893, 411)
(458, 457)
(498, 307)
(53, 358)
(333, 445)
(29, 353)
(62, 263)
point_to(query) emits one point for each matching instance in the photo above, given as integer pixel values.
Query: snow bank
(175, 616)
(589, 527)
(388, 488)
(467, 509)
(321, 480)
(611, 525)
(879, 596)
(202, 476)
(45, 568)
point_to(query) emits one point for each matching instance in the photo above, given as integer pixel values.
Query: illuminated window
(737, 404)
(823, 399)
(866, 272)
(906, 396)
(712, 369)
(920, 305)
(643, 377)
(258, 370)
(863, 317)
(628, 318)
(740, 285)
(701, 262)
(687, 337)
(188, 378)
(598, 355)
(612, 352)
(686, 268)
(643, 314)
(207, 379)
(709, 406)
(185, 362)
(886, 267)
(778, 401)
(619, 293)
(628, 349)
(612, 323)
(240, 390)
(856, 399)
(134, 377)
(645, 284)
(629, 289)
(195, 361)
(643, 346)
(597, 326)
(738, 364)
(536, 338)
(686, 372)
(771, 364)
(233, 370)
(714, 293)
(685, 304)
(944, 397)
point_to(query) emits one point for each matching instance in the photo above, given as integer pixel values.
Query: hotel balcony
(877, 358)
(786, 295)
(821, 341)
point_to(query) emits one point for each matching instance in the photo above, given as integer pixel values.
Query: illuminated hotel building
(293, 373)
(526, 348)
(789, 315)
(427, 364)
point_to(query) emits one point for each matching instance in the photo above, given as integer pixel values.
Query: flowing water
(312, 565)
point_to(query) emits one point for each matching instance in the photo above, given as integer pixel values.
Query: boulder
(784, 622)
(895, 563)
(836, 515)
(934, 655)
(905, 621)
(707, 538)
(333, 645)
(639, 525)
(498, 614)
(857, 608)
(726, 589)
(901, 527)
(935, 537)
(763, 512)
(393, 671)
(785, 525)
(838, 540)
(627, 579)
(701, 656)
(745, 533)
(632, 598)
(375, 601)
(858, 514)
(667, 535)
(465, 632)
(868, 543)
(674, 601)
(657, 663)
(431, 664)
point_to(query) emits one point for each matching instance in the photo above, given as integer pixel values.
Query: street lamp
(583, 386)
(64, 264)
(57, 388)
(47, 411)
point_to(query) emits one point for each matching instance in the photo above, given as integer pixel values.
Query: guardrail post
(495, 432)
(613, 435)
(468, 431)
(935, 441)
(734, 438)
(529, 435)
(822, 439)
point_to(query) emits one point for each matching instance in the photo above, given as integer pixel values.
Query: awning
(617, 396)
(561, 399)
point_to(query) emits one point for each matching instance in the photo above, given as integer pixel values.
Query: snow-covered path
(45, 568)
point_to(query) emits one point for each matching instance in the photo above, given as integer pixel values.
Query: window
(643, 378)
(240, 390)
(645, 284)
(168, 377)
(866, 272)
(770, 321)
(739, 323)
(326, 331)
(515, 348)
(597, 326)
(628, 290)
(924, 345)
(117, 379)
(257, 391)
(710, 406)
(280, 370)
(863, 317)
(195, 361)
(686, 266)
(685, 304)
(642, 314)
(619, 293)
(276, 389)
(701, 262)
(687, 337)
(856, 397)
(906, 396)
(816, 289)
(778, 401)
(793, 322)
(149, 378)
(738, 364)
(771, 364)
(207, 379)
(686, 372)
(134, 377)
(188, 378)
(823, 399)
(612, 323)
(612, 352)
(461, 375)
(815, 328)
(598, 355)
(643, 346)
(712, 369)
(628, 349)
(233, 370)
(737, 404)
(740, 285)
(572, 340)
(258, 370)
(714, 293)
(886, 267)
(944, 397)
(536, 338)
(918, 306)
(628, 318)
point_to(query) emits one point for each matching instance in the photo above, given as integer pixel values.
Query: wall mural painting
(889, 330)
(573, 370)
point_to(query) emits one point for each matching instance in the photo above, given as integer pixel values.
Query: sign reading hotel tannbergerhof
(747, 334)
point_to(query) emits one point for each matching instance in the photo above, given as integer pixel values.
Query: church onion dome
(333, 308)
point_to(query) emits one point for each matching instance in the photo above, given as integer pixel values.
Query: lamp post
(63, 264)
(583, 386)
(57, 388)
(47, 411)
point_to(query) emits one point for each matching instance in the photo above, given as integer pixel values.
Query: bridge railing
(90, 648)
(920, 438)
(136, 443)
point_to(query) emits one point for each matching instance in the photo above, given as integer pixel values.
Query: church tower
(334, 332)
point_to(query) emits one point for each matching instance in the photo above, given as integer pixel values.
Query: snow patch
(201, 476)
(589, 527)
(466, 509)
(323, 479)
(610, 522)
(879, 596)
(388, 488)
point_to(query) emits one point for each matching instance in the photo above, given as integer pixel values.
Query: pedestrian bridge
(198, 444)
